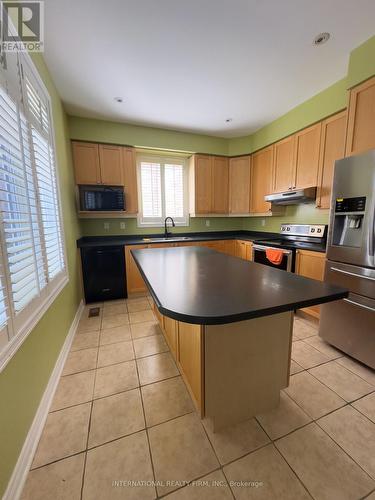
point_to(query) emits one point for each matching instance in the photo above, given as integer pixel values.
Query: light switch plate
(208, 222)
(106, 226)
(122, 225)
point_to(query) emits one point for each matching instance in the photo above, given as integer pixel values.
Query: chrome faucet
(166, 233)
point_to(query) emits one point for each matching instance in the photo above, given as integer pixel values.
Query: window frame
(183, 221)
(20, 325)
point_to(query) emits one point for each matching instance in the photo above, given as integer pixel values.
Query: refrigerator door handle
(359, 305)
(372, 234)
(352, 274)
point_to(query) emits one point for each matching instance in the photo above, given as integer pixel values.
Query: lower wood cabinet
(190, 360)
(171, 334)
(311, 265)
(134, 280)
(244, 249)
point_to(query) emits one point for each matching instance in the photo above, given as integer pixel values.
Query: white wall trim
(19, 475)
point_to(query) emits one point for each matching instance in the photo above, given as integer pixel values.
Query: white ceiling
(190, 64)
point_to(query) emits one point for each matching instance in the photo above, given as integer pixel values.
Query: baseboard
(18, 478)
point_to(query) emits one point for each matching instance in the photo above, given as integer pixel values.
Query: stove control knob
(319, 230)
(288, 228)
(313, 229)
(283, 229)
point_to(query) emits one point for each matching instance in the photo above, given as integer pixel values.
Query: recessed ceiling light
(321, 38)
(228, 120)
(118, 99)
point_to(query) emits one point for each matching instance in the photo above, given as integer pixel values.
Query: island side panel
(246, 365)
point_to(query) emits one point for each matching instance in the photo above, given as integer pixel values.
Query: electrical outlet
(208, 222)
(122, 225)
(263, 222)
(106, 226)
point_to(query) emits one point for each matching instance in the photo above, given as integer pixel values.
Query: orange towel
(274, 255)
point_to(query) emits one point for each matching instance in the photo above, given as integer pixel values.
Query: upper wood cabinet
(332, 148)
(110, 161)
(220, 181)
(361, 118)
(239, 184)
(130, 180)
(209, 184)
(98, 164)
(203, 184)
(109, 165)
(283, 154)
(86, 163)
(307, 147)
(261, 180)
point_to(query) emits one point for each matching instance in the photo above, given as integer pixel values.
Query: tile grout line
(146, 430)
(91, 408)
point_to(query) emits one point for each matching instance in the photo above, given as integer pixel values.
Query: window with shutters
(163, 192)
(32, 255)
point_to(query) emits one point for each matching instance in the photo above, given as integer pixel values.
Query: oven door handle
(264, 248)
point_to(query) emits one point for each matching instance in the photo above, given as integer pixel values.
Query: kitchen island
(229, 325)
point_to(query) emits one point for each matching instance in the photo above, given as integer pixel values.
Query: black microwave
(101, 198)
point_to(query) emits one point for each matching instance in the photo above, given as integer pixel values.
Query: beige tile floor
(122, 424)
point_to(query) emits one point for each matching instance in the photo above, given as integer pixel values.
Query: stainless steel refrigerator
(349, 324)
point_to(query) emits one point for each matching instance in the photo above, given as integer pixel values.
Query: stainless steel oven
(259, 255)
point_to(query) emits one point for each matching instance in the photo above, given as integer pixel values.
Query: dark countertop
(201, 286)
(95, 241)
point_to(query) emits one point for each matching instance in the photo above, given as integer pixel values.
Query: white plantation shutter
(16, 217)
(151, 189)
(32, 258)
(163, 190)
(174, 190)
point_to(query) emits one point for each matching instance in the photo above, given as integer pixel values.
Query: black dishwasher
(103, 270)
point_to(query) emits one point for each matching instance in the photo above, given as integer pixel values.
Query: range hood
(292, 196)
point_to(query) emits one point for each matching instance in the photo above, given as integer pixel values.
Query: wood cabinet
(244, 249)
(332, 148)
(307, 147)
(261, 180)
(311, 265)
(130, 180)
(171, 334)
(134, 280)
(86, 162)
(190, 360)
(239, 184)
(111, 167)
(230, 247)
(220, 181)
(202, 184)
(361, 118)
(283, 167)
(209, 184)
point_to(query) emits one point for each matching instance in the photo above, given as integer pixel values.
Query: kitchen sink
(170, 238)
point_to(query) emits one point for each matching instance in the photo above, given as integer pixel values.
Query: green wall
(297, 214)
(92, 227)
(361, 63)
(87, 129)
(327, 102)
(24, 379)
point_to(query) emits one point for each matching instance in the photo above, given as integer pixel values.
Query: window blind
(151, 189)
(174, 190)
(163, 190)
(32, 258)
